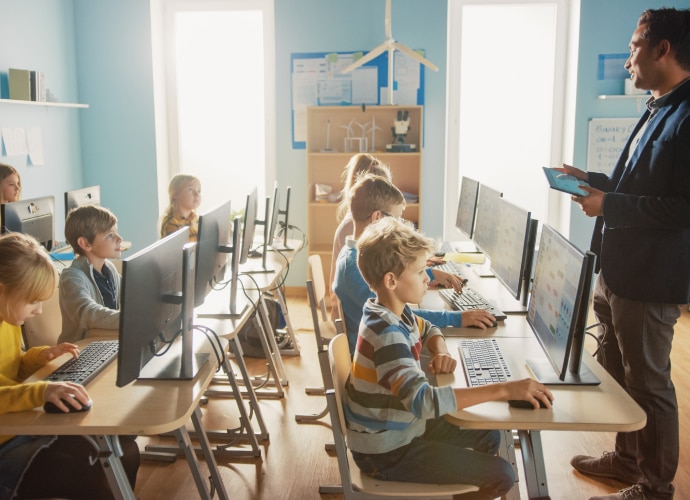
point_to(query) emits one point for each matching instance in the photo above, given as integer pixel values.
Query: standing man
(642, 240)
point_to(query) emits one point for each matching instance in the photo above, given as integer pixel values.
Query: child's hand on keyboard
(434, 260)
(443, 279)
(60, 349)
(479, 318)
(442, 362)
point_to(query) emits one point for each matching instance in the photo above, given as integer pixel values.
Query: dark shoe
(607, 465)
(635, 492)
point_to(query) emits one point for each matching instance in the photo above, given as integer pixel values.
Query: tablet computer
(565, 182)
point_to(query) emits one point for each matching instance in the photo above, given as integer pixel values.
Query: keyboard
(483, 362)
(468, 300)
(91, 361)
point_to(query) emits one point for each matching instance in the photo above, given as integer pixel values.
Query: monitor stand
(170, 367)
(543, 371)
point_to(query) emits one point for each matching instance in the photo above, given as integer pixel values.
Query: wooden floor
(295, 463)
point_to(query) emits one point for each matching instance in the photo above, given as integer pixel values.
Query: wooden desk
(146, 407)
(606, 407)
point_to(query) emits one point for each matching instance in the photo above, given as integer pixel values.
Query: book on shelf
(20, 84)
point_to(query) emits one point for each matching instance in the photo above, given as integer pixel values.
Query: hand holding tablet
(565, 182)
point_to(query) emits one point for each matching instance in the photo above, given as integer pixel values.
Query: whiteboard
(606, 140)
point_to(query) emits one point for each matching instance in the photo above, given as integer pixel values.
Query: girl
(185, 196)
(10, 184)
(41, 466)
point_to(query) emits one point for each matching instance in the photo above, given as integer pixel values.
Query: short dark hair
(87, 221)
(672, 25)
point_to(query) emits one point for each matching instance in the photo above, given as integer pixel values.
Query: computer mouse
(521, 403)
(49, 407)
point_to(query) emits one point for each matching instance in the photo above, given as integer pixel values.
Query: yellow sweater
(15, 366)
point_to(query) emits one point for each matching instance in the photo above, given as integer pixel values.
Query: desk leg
(208, 455)
(236, 349)
(294, 351)
(507, 451)
(185, 444)
(109, 453)
(533, 463)
(271, 349)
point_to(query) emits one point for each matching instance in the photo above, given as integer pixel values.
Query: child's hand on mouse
(480, 318)
(529, 390)
(56, 392)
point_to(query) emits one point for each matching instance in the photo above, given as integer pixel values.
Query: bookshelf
(327, 128)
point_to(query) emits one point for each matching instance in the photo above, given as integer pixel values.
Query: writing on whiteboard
(606, 140)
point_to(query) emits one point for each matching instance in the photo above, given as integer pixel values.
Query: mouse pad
(564, 182)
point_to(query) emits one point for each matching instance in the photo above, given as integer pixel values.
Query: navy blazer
(643, 239)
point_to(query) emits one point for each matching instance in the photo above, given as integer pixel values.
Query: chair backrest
(45, 328)
(355, 484)
(316, 270)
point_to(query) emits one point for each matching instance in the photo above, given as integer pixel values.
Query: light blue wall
(605, 28)
(39, 35)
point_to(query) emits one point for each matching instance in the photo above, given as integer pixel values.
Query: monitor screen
(34, 217)
(79, 197)
(211, 251)
(249, 224)
(511, 246)
(157, 308)
(284, 225)
(467, 206)
(275, 215)
(484, 234)
(558, 304)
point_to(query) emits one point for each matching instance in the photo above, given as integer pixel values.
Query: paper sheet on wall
(35, 142)
(607, 138)
(14, 140)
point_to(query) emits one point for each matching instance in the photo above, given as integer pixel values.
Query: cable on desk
(599, 340)
(217, 346)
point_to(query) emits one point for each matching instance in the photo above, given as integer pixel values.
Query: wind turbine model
(391, 46)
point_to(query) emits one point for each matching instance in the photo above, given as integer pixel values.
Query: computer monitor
(269, 222)
(484, 234)
(467, 206)
(558, 310)
(249, 224)
(157, 306)
(511, 261)
(80, 197)
(212, 250)
(34, 217)
(284, 224)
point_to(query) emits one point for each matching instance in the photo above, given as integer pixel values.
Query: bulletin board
(317, 80)
(606, 139)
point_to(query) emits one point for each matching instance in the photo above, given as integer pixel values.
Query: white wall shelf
(47, 104)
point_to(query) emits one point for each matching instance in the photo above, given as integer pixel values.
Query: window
(505, 101)
(220, 67)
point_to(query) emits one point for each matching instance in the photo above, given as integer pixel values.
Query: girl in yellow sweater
(40, 466)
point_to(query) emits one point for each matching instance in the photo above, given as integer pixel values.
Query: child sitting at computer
(41, 466)
(90, 287)
(395, 424)
(373, 198)
(185, 196)
(10, 184)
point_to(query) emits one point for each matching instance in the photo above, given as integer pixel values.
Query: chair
(355, 484)
(324, 329)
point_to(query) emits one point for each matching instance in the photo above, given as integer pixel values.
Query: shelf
(47, 104)
(624, 96)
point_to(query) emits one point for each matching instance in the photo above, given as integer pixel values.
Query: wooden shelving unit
(327, 167)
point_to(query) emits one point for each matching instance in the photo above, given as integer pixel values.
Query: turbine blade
(387, 21)
(415, 55)
(373, 54)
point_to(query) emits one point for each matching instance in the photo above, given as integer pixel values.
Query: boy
(395, 427)
(90, 287)
(373, 198)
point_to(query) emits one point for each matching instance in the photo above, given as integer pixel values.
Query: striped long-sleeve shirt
(388, 397)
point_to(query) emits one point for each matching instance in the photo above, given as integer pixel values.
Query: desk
(606, 407)
(145, 407)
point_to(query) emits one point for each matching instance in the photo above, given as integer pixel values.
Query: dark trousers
(636, 352)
